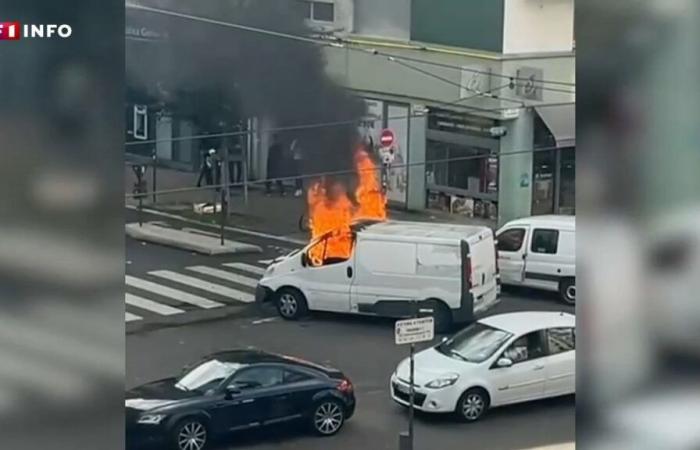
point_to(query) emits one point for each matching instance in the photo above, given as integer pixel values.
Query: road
(159, 345)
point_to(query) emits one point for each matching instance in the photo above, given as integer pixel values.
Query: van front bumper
(263, 294)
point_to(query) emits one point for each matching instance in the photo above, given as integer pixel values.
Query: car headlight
(151, 419)
(443, 382)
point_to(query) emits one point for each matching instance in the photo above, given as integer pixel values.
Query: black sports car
(237, 390)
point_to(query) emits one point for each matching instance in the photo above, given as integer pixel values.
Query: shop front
(462, 165)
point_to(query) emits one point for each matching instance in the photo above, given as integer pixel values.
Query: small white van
(394, 268)
(539, 252)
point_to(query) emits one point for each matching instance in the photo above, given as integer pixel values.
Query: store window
(461, 167)
(567, 190)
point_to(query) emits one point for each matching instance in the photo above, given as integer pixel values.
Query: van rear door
(479, 271)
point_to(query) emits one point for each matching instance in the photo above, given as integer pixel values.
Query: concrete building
(470, 88)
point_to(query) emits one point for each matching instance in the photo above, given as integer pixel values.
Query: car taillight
(345, 386)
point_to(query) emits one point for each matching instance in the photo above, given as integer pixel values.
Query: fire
(334, 211)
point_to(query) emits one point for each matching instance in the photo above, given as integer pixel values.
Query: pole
(155, 165)
(224, 189)
(411, 397)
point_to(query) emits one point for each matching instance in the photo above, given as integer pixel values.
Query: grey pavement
(271, 214)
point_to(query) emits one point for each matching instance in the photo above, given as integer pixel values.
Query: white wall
(535, 26)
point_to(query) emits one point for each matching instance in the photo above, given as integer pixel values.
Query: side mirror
(232, 391)
(504, 362)
(304, 259)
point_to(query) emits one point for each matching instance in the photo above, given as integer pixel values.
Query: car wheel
(472, 405)
(291, 304)
(567, 291)
(442, 317)
(190, 434)
(328, 417)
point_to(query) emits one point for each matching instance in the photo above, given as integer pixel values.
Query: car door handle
(349, 272)
(248, 400)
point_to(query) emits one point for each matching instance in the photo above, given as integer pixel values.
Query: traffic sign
(387, 138)
(410, 331)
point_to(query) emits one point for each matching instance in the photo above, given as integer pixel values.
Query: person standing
(297, 166)
(275, 163)
(207, 168)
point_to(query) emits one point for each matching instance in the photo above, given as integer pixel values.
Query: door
(328, 276)
(511, 254)
(525, 379)
(386, 277)
(543, 264)
(301, 388)
(561, 364)
(255, 402)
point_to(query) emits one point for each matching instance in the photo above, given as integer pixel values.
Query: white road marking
(204, 285)
(225, 275)
(175, 294)
(265, 261)
(131, 317)
(150, 305)
(265, 320)
(198, 231)
(246, 268)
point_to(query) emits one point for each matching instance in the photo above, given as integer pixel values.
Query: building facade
(479, 94)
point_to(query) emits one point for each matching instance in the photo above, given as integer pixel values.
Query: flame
(334, 212)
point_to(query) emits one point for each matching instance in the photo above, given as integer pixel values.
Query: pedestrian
(236, 163)
(206, 169)
(297, 166)
(275, 163)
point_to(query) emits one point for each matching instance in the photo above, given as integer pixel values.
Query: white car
(498, 360)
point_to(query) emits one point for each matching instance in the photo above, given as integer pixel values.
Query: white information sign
(414, 330)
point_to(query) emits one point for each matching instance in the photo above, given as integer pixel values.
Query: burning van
(389, 268)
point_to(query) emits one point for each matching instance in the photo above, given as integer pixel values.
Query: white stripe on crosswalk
(131, 317)
(225, 275)
(174, 294)
(204, 285)
(150, 305)
(246, 268)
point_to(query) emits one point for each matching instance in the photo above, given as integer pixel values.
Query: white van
(394, 268)
(539, 252)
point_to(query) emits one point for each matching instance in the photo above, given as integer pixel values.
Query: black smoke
(219, 73)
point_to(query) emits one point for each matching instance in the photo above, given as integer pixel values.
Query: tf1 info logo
(12, 31)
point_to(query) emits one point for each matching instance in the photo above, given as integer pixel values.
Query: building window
(140, 122)
(320, 11)
(567, 189)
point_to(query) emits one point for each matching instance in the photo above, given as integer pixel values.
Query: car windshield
(207, 375)
(476, 343)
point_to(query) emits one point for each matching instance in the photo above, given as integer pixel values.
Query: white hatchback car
(498, 360)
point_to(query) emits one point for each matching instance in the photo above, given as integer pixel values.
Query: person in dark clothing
(207, 170)
(275, 165)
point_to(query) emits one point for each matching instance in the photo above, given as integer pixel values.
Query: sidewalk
(270, 214)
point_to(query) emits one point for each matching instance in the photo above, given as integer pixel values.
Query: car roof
(254, 356)
(413, 230)
(526, 321)
(550, 220)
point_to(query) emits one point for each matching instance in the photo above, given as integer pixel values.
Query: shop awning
(561, 121)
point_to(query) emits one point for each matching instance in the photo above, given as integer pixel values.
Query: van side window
(545, 241)
(511, 240)
(333, 249)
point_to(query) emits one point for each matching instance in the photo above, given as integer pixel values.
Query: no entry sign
(387, 138)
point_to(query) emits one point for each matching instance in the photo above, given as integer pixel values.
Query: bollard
(405, 441)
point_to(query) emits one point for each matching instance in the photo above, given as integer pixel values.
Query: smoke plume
(226, 71)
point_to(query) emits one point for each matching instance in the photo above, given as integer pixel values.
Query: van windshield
(476, 343)
(331, 248)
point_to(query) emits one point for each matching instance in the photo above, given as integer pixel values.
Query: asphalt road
(362, 347)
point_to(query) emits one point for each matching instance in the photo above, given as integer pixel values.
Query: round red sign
(387, 138)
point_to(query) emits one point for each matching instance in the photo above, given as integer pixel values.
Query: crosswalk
(163, 293)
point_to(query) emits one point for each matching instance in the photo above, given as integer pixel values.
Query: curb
(156, 212)
(203, 244)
